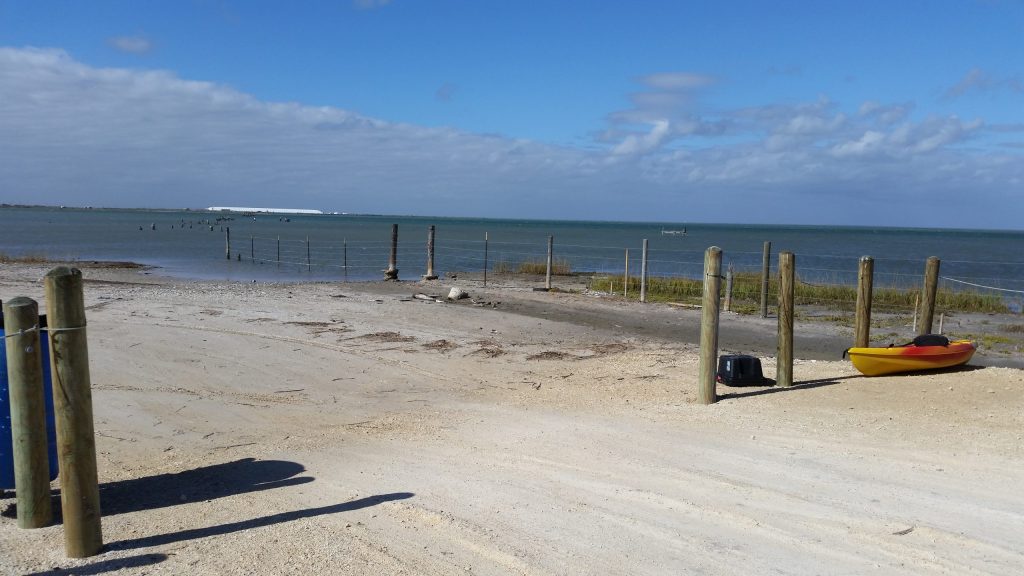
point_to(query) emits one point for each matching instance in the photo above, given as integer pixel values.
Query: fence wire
(825, 280)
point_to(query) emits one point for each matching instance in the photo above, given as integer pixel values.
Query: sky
(872, 113)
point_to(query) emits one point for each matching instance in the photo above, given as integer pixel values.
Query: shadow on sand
(807, 384)
(102, 566)
(802, 385)
(205, 483)
(194, 533)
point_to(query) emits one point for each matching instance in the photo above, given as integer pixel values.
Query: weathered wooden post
(309, 264)
(709, 326)
(862, 323)
(766, 260)
(547, 277)
(430, 255)
(931, 285)
(28, 413)
(486, 241)
(392, 272)
(72, 403)
(728, 289)
(643, 273)
(917, 304)
(279, 251)
(227, 242)
(625, 277)
(344, 255)
(787, 281)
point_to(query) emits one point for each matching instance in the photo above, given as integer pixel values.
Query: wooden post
(728, 289)
(917, 303)
(865, 282)
(392, 272)
(72, 403)
(931, 284)
(643, 273)
(486, 241)
(430, 255)
(709, 326)
(942, 317)
(766, 260)
(344, 262)
(28, 413)
(309, 265)
(227, 242)
(625, 277)
(279, 251)
(784, 358)
(547, 277)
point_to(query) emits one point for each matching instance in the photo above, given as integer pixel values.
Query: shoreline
(817, 336)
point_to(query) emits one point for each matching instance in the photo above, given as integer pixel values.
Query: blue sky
(870, 113)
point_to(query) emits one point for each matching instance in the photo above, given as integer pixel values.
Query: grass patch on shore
(23, 259)
(746, 295)
(559, 267)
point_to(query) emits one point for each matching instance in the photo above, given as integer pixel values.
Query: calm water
(184, 247)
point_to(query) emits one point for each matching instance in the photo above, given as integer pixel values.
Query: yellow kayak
(910, 357)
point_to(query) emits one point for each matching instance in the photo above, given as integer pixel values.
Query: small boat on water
(926, 352)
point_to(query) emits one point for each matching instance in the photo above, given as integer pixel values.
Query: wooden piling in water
(643, 273)
(430, 255)
(787, 282)
(707, 366)
(917, 304)
(766, 260)
(931, 285)
(227, 242)
(625, 277)
(547, 277)
(309, 264)
(344, 257)
(279, 251)
(486, 242)
(862, 322)
(72, 403)
(392, 272)
(28, 413)
(728, 289)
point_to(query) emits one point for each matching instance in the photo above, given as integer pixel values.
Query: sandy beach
(251, 428)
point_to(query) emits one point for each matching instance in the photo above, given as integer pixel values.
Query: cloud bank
(81, 135)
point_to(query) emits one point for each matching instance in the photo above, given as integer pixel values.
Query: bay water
(295, 248)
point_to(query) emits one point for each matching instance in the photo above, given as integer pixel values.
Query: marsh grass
(746, 294)
(559, 267)
(23, 259)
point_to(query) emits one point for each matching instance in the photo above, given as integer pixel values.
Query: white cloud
(75, 134)
(979, 80)
(637, 144)
(677, 80)
(131, 44)
(869, 142)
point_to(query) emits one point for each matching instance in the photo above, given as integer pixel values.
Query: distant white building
(266, 210)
